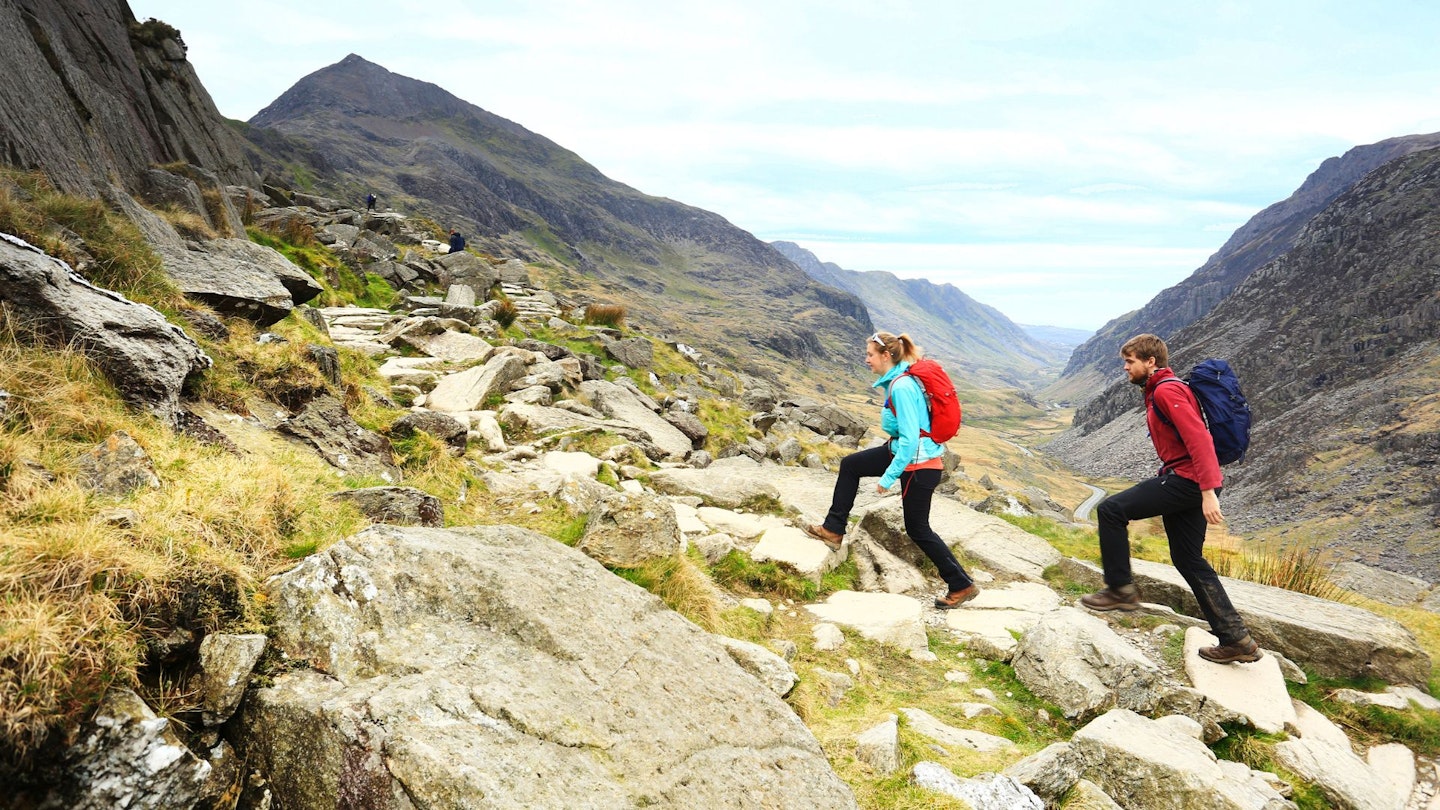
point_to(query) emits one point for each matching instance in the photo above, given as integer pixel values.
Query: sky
(1060, 161)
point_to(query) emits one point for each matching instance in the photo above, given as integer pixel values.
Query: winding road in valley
(1082, 512)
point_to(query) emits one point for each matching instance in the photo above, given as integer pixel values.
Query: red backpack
(940, 393)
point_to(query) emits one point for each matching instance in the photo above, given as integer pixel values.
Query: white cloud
(1011, 148)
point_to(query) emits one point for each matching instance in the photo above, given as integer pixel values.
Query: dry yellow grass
(80, 596)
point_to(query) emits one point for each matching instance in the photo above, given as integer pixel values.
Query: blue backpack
(1223, 405)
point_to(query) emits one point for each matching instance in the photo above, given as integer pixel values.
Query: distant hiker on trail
(910, 457)
(1185, 493)
(457, 242)
(370, 202)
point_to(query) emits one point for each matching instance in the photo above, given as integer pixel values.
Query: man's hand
(880, 489)
(1210, 505)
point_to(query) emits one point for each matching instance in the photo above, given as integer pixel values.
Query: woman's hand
(880, 489)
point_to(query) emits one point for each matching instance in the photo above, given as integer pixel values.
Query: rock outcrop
(459, 668)
(91, 94)
(146, 357)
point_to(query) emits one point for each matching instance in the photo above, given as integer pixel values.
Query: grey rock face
(240, 278)
(491, 683)
(100, 102)
(128, 757)
(400, 506)
(468, 390)
(619, 403)
(1146, 763)
(772, 670)
(1077, 661)
(985, 792)
(146, 357)
(442, 426)
(626, 529)
(325, 425)
(117, 466)
(226, 662)
(634, 352)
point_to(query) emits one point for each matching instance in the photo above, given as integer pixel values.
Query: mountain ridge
(1337, 344)
(518, 192)
(972, 337)
(1094, 365)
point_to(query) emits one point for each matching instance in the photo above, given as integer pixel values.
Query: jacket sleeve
(909, 403)
(1184, 412)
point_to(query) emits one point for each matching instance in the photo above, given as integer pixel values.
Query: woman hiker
(908, 457)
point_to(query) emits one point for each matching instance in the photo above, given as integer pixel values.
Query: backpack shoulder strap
(1160, 413)
(889, 389)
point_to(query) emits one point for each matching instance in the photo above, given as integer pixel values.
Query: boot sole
(1244, 658)
(1118, 606)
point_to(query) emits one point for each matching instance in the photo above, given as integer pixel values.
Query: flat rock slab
(797, 551)
(456, 347)
(1338, 641)
(885, 617)
(1255, 690)
(730, 486)
(928, 725)
(990, 633)
(996, 545)
(744, 525)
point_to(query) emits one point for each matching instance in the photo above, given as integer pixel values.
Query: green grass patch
(1371, 725)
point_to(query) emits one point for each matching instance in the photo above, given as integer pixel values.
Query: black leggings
(1177, 501)
(916, 490)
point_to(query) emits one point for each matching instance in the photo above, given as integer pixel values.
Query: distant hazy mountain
(515, 193)
(1337, 344)
(949, 324)
(1061, 337)
(1267, 235)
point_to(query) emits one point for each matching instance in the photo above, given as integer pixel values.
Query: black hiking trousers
(917, 488)
(1177, 501)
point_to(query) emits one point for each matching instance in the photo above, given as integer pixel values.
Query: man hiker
(457, 242)
(370, 202)
(1186, 494)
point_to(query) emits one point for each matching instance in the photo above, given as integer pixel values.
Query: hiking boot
(955, 599)
(1243, 651)
(1120, 597)
(825, 536)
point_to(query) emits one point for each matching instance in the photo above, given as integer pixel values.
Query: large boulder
(1155, 763)
(240, 278)
(492, 667)
(628, 528)
(1336, 640)
(621, 404)
(146, 357)
(1076, 661)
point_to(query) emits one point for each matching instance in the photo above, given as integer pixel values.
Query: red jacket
(1186, 448)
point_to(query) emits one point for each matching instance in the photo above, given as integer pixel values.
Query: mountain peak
(356, 86)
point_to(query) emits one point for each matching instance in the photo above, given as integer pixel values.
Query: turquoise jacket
(911, 416)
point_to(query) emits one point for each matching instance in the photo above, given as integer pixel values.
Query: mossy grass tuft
(612, 315)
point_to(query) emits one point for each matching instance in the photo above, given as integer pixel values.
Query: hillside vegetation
(113, 591)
